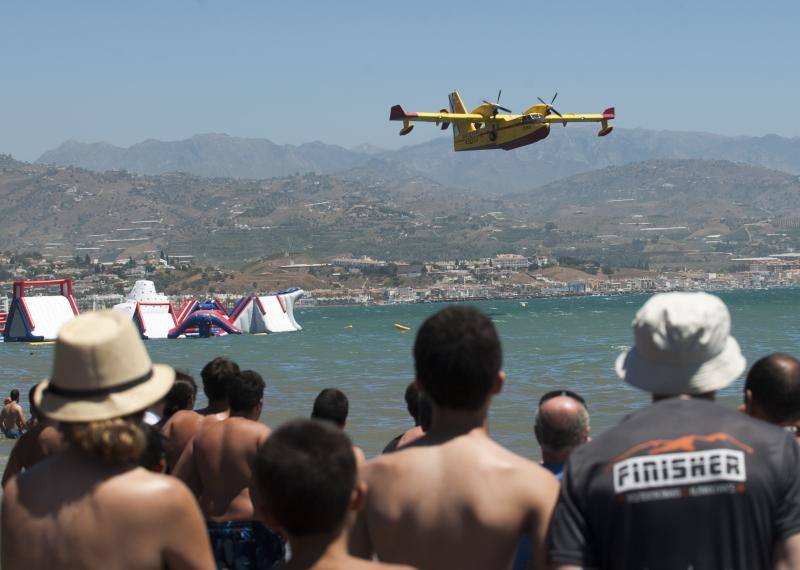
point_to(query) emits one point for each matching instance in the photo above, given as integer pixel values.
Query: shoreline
(524, 298)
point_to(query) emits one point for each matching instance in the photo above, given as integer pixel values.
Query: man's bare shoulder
(347, 563)
(361, 564)
(473, 453)
(134, 488)
(468, 447)
(361, 457)
(248, 428)
(232, 428)
(146, 495)
(182, 418)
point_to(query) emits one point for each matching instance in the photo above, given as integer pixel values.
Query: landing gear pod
(445, 124)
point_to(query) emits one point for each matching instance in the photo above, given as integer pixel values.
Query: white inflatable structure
(154, 320)
(142, 290)
(39, 318)
(272, 313)
(151, 311)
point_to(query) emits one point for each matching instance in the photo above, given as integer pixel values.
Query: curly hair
(114, 441)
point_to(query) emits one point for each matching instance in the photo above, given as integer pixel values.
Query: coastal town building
(364, 280)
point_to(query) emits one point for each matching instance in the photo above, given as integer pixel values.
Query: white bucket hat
(682, 345)
(101, 370)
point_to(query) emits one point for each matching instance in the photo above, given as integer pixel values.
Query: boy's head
(216, 376)
(246, 392)
(331, 405)
(458, 358)
(305, 478)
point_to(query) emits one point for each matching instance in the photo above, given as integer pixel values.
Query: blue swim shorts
(12, 433)
(245, 545)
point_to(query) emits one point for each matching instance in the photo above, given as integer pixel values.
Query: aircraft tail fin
(457, 106)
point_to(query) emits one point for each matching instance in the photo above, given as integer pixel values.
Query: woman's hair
(154, 457)
(180, 397)
(115, 441)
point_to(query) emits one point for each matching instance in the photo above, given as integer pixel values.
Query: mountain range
(564, 153)
(605, 214)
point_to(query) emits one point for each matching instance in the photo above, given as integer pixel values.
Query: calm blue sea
(551, 343)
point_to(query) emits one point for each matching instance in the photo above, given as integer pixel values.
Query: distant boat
(523, 304)
(400, 327)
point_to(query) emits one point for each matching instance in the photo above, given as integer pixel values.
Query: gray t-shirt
(682, 484)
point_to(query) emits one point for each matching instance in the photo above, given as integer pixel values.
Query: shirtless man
(40, 441)
(12, 417)
(333, 406)
(425, 418)
(185, 424)
(91, 507)
(412, 404)
(318, 509)
(216, 466)
(454, 498)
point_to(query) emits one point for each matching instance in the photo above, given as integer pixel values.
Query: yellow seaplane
(486, 128)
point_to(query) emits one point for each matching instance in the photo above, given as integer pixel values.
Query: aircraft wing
(607, 115)
(398, 114)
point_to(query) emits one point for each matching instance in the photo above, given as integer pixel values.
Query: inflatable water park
(39, 317)
(156, 317)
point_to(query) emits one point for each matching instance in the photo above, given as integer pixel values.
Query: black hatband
(94, 393)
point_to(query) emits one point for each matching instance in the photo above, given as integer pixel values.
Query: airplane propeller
(550, 104)
(496, 105)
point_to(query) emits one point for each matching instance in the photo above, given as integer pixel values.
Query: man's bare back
(182, 427)
(12, 417)
(461, 502)
(100, 516)
(341, 561)
(217, 467)
(43, 440)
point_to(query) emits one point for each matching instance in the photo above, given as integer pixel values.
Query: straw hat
(682, 345)
(101, 370)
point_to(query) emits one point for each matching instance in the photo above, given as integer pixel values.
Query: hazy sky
(297, 71)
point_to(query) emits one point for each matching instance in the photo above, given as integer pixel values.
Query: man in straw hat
(90, 506)
(684, 483)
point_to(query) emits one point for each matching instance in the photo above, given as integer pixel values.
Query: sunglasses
(568, 393)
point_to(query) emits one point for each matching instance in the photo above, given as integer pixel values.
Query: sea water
(549, 344)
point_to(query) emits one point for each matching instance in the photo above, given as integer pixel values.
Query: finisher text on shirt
(678, 469)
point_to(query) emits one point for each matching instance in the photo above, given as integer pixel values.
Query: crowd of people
(116, 469)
